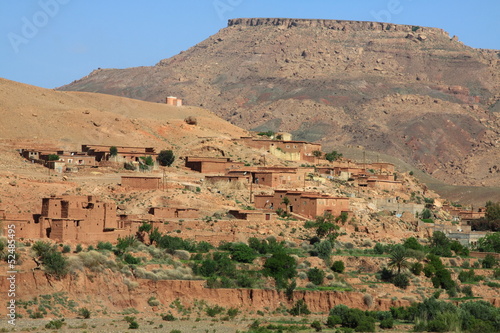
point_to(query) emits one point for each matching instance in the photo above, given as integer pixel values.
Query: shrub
(324, 249)
(378, 249)
(168, 317)
(467, 291)
(133, 325)
(281, 267)
(130, 259)
(316, 276)
(242, 253)
(66, 249)
(368, 300)
(78, 248)
(387, 323)
(214, 310)
(191, 120)
(152, 301)
(300, 308)
(317, 326)
(338, 266)
(489, 261)
(166, 157)
(333, 321)
(232, 312)
(416, 268)
(105, 246)
(84, 313)
(55, 264)
(401, 281)
(55, 324)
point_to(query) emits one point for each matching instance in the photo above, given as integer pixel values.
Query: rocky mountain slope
(409, 91)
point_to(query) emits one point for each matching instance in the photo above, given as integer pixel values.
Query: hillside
(411, 92)
(36, 116)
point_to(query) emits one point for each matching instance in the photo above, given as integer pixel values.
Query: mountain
(412, 92)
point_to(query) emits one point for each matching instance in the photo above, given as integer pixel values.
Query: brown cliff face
(408, 91)
(108, 290)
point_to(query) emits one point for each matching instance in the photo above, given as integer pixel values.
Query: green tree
(317, 153)
(166, 157)
(53, 157)
(398, 258)
(333, 156)
(316, 276)
(489, 243)
(492, 211)
(242, 253)
(113, 151)
(286, 202)
(338, 266)
(281, 267)
(489, 261)
(326, 227)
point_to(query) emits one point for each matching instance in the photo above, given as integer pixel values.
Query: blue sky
(50, 43)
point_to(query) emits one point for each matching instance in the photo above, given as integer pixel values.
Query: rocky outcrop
(341, 25)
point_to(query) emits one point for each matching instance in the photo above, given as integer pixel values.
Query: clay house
(77, 159)
(467, 216)
(273, 176)
(229, 178)
(398, 206)
(174, 213)
(26, 224)
(253, 215)
(287, 150)
(172, 100)
(383, 184)
(307, 204)
(382, 167)
(142, 182)
(124, 154)
(212, 164)
(36, 154)
(81, 218)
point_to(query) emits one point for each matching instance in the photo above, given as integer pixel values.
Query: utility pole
(251, 188)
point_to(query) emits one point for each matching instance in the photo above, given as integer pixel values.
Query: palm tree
(399, 258)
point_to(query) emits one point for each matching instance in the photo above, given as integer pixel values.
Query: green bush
(130, 259)
(416, 268)
(168, 317)
(166, 157)
(489, 261)
(467, 291)
(281, 267)
(84, 313)
(379, 248)
(105, 246)
(333, 321)
(401, 281)
(55, 264)
(55, 324)
(242, 253)
(317, 325)
(316, 276)
(133, 325)
(299, 309)
(66, 249)
(338, 266)
(387, 323)
(214, 310)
